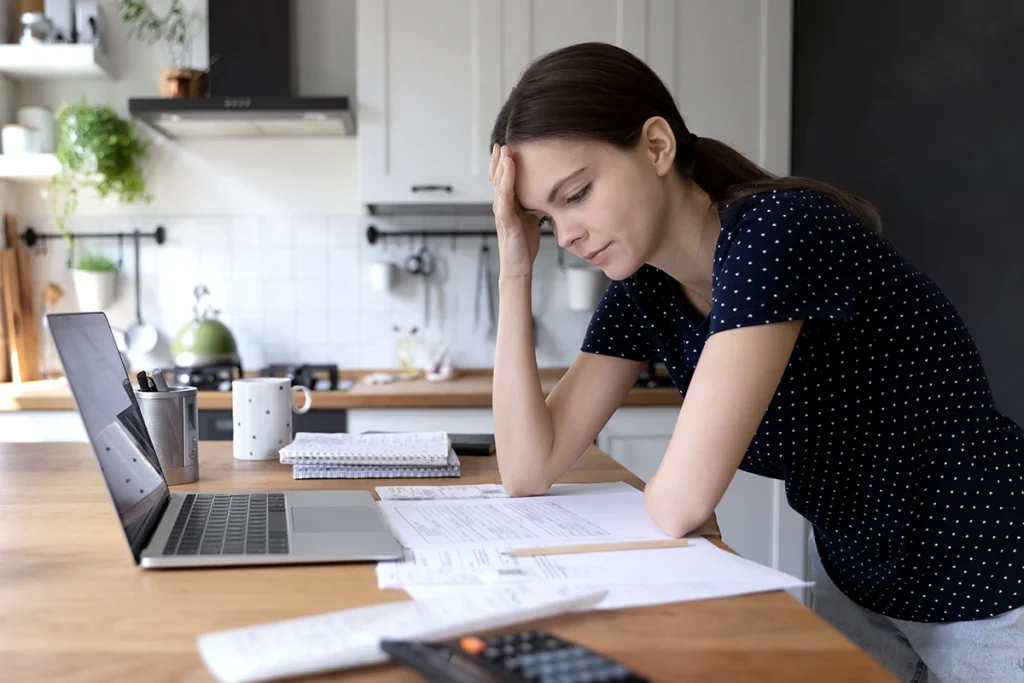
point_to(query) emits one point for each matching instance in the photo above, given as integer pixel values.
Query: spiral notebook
(408, 449)
(314, 470)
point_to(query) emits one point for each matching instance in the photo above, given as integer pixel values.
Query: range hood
(252, 67)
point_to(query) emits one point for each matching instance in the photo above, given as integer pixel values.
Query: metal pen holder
(172, 419)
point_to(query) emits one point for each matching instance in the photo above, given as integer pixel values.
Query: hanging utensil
(142, 338)
(481, 267)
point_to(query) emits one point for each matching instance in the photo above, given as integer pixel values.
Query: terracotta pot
(177, 83)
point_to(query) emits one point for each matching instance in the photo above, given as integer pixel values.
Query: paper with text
(351, 638)
(471, 491)
(622, 596)
(521, 522)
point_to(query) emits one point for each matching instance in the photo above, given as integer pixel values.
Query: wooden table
(74, 607)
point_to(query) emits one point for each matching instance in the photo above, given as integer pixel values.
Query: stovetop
(318, 377)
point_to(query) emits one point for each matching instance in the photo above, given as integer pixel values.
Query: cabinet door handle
(432, 188)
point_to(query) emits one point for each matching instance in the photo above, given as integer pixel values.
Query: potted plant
(176, 31)
(96, 149)
(95, 280)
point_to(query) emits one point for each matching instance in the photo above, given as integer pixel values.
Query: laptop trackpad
(335, 519)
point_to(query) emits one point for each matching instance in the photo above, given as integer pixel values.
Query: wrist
(515, 278)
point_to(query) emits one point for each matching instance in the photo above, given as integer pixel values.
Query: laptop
(186, 530)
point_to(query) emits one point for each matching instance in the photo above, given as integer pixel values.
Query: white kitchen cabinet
(433, 75)
(531, 28)
(428, 95)
(42, 425)
(452, 420)
(754, 516)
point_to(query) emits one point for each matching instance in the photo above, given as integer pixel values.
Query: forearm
(675, 512)
(523, 430)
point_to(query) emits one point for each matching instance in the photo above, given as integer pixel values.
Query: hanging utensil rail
(374, 235)
(30, 237)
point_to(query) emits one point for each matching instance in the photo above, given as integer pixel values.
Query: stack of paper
(381, 455)
(349, 638)
(455, 545)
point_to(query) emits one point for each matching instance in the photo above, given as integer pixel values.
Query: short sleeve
(617, 327)
(785, 258)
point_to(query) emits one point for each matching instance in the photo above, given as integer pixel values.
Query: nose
(568, 234)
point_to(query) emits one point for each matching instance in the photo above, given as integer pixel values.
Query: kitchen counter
(472, 390)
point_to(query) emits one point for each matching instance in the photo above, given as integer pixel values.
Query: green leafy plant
(176, 30)
(96, 149)
(87, 260)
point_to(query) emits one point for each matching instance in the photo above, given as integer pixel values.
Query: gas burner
(208, 377)
(322, 377)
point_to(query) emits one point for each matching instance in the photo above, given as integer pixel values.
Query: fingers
(506, 183)
(495, 156)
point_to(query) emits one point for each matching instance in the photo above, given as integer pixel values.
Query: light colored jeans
(981, 651)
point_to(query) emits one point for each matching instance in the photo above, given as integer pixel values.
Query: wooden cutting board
(5, 361)
(19, 307)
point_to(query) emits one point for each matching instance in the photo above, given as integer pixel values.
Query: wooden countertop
(73, 605)
(469, 391)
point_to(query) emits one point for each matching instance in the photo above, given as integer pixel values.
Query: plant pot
(182, 83)
(95, 289)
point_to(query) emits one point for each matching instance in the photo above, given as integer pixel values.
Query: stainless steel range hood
(252, 66)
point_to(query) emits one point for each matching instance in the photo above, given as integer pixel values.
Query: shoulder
(806, 208)
(791, 221)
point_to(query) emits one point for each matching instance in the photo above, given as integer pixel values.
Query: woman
(809, 351)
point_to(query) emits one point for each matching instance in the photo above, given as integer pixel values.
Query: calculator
(533, 656)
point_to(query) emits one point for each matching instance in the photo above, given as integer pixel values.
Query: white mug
(261, 412)
(585, 287)
(382, 276)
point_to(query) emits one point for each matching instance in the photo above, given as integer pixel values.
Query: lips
(594, 254)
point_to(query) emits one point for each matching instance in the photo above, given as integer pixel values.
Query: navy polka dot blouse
(883, 426)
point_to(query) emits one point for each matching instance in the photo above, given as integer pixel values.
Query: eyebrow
(557, 186)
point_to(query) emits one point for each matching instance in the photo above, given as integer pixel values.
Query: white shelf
(46, 62)
(28, 167)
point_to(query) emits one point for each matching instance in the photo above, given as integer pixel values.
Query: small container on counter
(40, 119)
(18, 139)
(172, 420)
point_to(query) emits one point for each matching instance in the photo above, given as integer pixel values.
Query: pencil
(598, 547)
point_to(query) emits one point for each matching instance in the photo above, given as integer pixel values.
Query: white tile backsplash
(297, 289)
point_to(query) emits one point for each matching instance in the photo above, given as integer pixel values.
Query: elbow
(523, 484)
(524, 488)
(676, 520)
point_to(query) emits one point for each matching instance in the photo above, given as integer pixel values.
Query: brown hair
(601, 92)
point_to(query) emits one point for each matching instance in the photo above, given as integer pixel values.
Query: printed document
(461, 492)
(520, 522)
(348, 638)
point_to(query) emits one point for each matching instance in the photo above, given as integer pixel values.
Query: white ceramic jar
(41, 120)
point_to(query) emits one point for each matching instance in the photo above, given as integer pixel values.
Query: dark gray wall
(918, 106)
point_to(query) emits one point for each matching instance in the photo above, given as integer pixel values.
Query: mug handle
(304, 408)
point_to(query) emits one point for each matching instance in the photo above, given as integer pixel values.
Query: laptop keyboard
(230, 524)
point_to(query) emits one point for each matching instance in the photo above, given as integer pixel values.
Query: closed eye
(579, 196)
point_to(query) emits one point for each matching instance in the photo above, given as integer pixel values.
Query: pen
(158, 379)
(143, 380)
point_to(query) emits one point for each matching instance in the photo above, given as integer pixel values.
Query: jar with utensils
(172, 420)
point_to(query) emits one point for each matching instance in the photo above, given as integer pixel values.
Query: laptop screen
(106, 401)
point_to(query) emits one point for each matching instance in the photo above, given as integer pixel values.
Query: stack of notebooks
(361, 456)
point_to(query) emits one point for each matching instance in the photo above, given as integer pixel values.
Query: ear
(658, 144)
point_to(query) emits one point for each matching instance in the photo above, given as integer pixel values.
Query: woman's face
(604, 204)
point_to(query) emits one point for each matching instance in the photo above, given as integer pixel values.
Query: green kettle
(204, 340)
